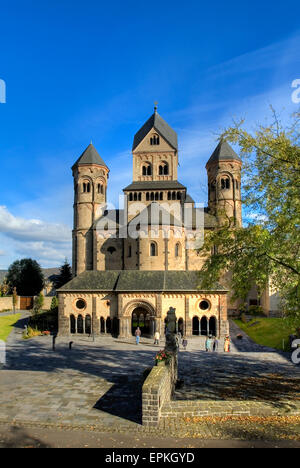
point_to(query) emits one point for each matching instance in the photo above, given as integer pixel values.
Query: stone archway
(139, 314)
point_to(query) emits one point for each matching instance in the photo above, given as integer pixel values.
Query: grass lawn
(268, 331)
(6, 325)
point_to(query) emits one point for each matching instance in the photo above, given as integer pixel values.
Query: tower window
(100, 188)
(147, 196)
(154, 140)
(147, 170)
(130, 197)
(153, 249)
(163, 169)
(225, 184)
(86, 187)
(169, 196)
(177, 250)
(161, 195)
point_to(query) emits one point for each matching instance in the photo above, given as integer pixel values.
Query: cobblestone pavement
(98, 384)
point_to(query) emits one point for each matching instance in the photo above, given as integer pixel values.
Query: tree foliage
(27, 276)
(268, 247)
(65, 275)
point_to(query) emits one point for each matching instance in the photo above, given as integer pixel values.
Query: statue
(171, 342)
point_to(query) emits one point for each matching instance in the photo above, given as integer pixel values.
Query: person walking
(215, 344)
(184, 343)
(137, 335)
(156, 338)
(227, 344)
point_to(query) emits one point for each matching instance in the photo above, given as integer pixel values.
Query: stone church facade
(131, 265)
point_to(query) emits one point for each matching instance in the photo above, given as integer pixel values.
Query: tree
(4, 288)
(38, 303)
(27, 276)
(65, 275)
(268, 247)
(54, 304)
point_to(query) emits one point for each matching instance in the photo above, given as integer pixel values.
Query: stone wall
(6, 303)
(157, 391)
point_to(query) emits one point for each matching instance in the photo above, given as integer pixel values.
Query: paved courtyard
(98, 384)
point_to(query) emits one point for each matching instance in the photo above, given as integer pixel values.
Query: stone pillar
(95, 320)
(63, 320)
(188, 322)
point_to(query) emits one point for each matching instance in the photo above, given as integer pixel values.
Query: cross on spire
(155, 106)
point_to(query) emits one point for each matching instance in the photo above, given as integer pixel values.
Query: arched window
(80, 324)
(160, 170)
(100, 188)
(174, 196)
(225, 184)
(144, 170)
(153, 249)
(152, 196)
(140, 197)
(84, 187)
(156, 196)
(237, 184)
(130, 197)
(163, 169)
(88, 324)
(169, 196)
(102, 325)
(147, 170)
(147, 196)
(135, 197)
(111, 250)
(161, 195)
(178, 196)
(72, 324)
(154, 140)
(178, 250)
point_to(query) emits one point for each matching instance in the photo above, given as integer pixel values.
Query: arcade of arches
(196, 315)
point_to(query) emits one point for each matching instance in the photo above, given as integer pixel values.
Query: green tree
(65, 275)
(269, 246)
(54, 304)
(38, 303)
(27, 276)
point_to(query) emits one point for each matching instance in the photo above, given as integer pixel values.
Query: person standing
(156, 338)
(215, 344)
(208, 344)
(227, 344)
(184, 343)
(137, 335)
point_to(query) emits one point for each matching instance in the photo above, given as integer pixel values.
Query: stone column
(188, 322)
(95, 320)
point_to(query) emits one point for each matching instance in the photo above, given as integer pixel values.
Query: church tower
(90, 175)
(224, 184)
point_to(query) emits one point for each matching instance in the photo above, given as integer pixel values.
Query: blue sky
(80, 71)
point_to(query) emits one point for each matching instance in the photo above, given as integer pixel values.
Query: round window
(204, 305)
(80, 304)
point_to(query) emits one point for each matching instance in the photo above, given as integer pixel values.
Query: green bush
(243, 318)
(256, 311)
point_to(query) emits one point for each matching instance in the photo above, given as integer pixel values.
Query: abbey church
(131, 265)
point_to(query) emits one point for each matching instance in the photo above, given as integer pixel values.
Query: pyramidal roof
(90, 156)
(157, 122)
(223, 152)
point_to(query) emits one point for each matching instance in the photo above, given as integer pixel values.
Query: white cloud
(32, 229)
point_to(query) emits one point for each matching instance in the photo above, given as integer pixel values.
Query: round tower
(224, 184)
(90, 175)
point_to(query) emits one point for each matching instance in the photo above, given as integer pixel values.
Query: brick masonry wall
(201, 408)
(157, 391)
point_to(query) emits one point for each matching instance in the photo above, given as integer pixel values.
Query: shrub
(243, 318)
(256, 311)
